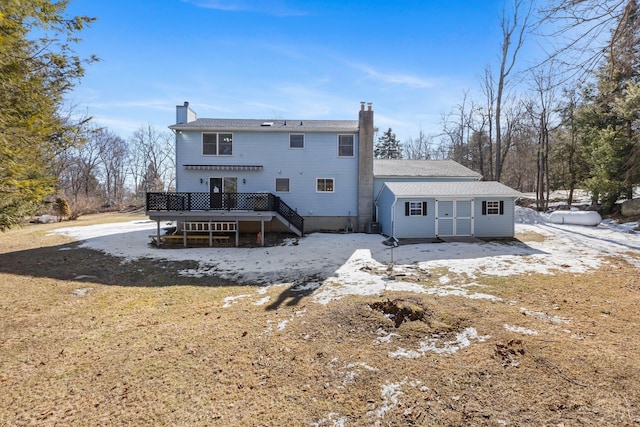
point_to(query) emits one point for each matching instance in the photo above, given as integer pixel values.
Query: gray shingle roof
(452, 189)
(421, 168)
(267, 125)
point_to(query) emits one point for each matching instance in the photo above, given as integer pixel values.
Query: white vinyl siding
(270, 150)
(500, 225)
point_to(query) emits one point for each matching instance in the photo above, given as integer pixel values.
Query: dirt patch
(400, 311)
(530, 236)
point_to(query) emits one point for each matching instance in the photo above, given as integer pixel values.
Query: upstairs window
(296, 140)
(210, 144)
(345, 145)
(324, 185)
(217, 144)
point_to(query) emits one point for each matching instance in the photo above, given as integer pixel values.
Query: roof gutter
(292, 129)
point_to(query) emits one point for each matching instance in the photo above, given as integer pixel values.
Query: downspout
(393, 217)
(175, 157)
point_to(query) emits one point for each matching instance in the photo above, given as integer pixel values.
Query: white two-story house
(298, 175)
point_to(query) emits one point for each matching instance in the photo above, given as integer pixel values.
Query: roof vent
(267, 124)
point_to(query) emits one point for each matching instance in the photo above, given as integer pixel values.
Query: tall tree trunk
(512, 40)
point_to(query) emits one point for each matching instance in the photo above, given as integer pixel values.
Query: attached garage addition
(444, 209)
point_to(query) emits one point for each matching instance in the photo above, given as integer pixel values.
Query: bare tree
(79, 178)
(458, 127)
(584, 31)
(488, 85)
(541, 113)
(151, 163)
(519, 170)
(113, 155)
(514, 27)
(419, 148)
(514, 128)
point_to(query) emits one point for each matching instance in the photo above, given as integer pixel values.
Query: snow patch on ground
(332, 266)
(347, 263)
(436, 345)
(384, 336)
(391, 393)
(520, 330)
(332, 419)
(543, 316)
(228, 301)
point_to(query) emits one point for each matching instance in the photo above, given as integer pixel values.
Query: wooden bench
(191, 238)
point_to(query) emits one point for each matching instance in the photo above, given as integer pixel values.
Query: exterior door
(454, 217)
(464, 218)
(215, 193)
(445, 218)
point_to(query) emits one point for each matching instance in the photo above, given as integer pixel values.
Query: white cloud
(396, 79)
(272, 7)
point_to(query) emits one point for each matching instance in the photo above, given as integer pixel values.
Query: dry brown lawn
(146, 347)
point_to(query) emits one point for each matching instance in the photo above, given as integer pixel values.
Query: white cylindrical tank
(575, 217)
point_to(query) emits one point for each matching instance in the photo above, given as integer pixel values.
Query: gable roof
(452, 189)
(269, 125)
(421, 168)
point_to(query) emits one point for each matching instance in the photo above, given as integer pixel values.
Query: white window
(296, 140)
(282, 185)
(493, 207)
(217, 144)
(415, 208)
(345, 145)
(324, 185)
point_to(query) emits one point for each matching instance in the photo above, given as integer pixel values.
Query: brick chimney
(184, 114)
(365, 166)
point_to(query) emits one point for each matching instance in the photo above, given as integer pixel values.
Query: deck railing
(194, 201)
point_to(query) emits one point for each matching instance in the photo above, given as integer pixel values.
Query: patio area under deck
(219, 213)
(212, 218)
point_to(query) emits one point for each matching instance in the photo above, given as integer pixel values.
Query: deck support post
(184, 236)
(237, 233)
(262, 231)
(158, 234)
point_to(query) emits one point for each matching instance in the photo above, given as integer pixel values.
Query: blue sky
(283, 59)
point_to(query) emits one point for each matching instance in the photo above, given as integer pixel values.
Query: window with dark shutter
(414, 208)
(493, 207)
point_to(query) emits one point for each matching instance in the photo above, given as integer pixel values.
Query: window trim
(303, 141)
(333, 185)
(353, 145)
(217, 143)
(410, 211)
(288, 190)
(493, 207)
(209, 143)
